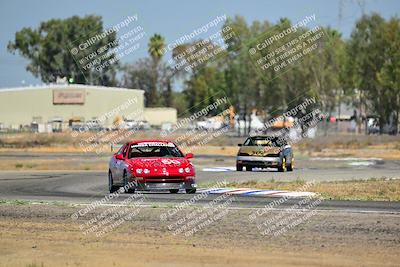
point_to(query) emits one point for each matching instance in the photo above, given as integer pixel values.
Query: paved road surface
(88, 186)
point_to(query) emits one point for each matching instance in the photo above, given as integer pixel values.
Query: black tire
(249, 168)
(190, 191)
(174, 191)
(111, 187)
(282, 167)
(125, 179)
(239, 167)
(290, 167)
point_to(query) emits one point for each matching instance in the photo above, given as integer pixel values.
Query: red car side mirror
(119, 156)
(189, 156)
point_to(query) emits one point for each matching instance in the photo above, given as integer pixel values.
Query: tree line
(362, 70)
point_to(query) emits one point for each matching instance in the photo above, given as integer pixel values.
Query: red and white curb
(256, 192)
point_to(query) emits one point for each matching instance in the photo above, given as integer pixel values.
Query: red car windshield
(151, 151)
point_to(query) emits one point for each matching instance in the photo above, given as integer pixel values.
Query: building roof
(66, 86)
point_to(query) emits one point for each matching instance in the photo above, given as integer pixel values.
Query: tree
(389, 75)
(151, 75)
(325, 67)
(48, 49)
(166, 80)
(204, 88)
(371, 68)
(196, 63)
(156, 50)
(139, 76)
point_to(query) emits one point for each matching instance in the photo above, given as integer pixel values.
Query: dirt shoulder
(45, 235)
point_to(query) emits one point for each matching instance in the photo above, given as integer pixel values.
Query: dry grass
(372, 189)
(53, 164)
(351, 141)
(370, 152)
(387, 147)
(28, 140)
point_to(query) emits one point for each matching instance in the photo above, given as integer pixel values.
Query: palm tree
(156, 49)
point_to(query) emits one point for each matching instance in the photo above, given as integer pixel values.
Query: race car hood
(258, 150)
(159, 162)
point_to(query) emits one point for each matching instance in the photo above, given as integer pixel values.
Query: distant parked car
(135, 125)
(129, 124)
(263, 152)
(144, 125)
(93, 125)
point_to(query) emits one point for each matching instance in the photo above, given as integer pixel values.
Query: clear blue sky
(171, 19)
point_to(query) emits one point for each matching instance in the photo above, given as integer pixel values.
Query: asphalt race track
(87, 186)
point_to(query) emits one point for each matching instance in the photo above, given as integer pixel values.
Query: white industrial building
(75, 103)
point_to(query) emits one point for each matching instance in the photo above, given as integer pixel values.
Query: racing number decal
(171, 162)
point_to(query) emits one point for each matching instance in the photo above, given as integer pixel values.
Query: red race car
(151, 165)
